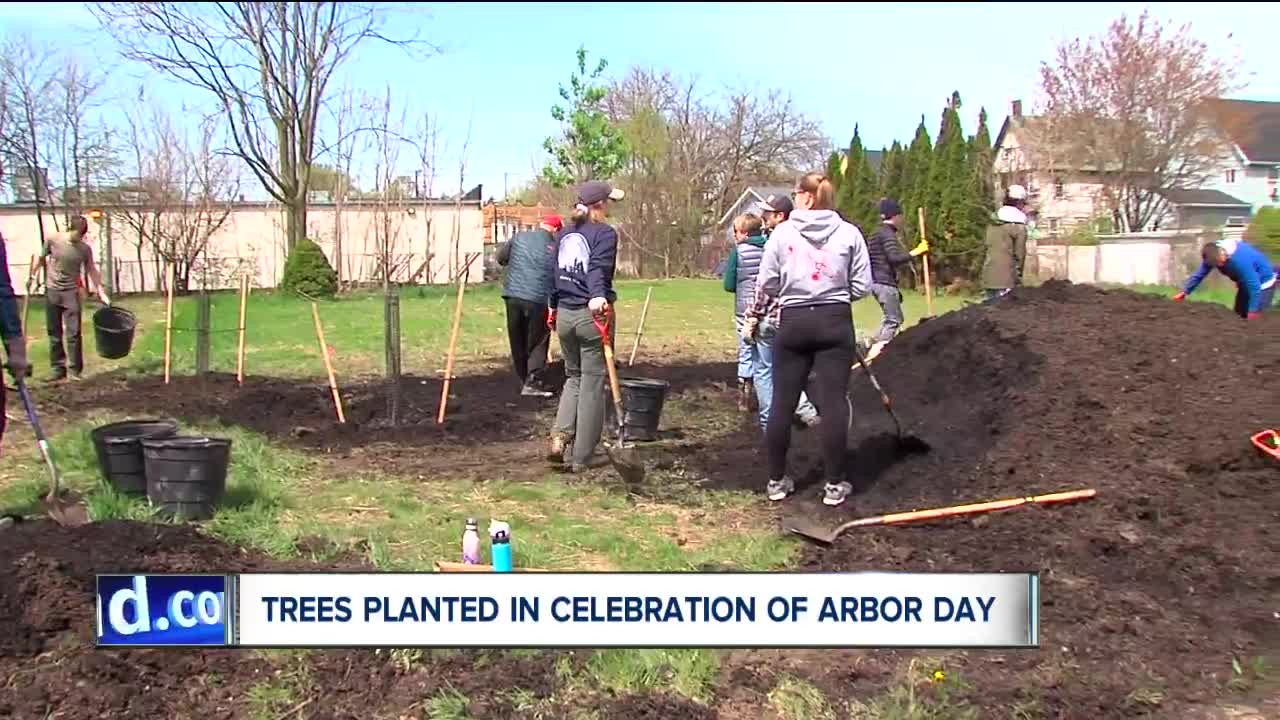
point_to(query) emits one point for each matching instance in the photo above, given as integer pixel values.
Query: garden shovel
(623, 454)
(65, 509)
(806, 527)
(906, 443)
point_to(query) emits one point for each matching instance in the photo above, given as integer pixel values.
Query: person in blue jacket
(1253, 274)
(582, 295)
(15, 345)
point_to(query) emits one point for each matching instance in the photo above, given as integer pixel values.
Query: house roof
(1253, 125)
(754, 194)
(1202, 198)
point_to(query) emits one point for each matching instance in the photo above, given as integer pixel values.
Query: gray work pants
(890, 299)
(585, 392)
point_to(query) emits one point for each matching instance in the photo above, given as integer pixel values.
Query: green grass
(683, 672)
(795, 699)
(691, 318)
(276, 496)
(447, 705)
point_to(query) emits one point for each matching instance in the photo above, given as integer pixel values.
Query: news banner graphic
(556, 610)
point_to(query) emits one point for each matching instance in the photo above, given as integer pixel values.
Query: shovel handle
(971, 509)
(603, 326)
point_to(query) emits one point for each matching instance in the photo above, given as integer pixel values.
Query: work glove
(16, 348)
(598, 305)
(551, 318)
(102, 295)
(920, 249)
(1180, 297)
(1254, 315)
(748, 330)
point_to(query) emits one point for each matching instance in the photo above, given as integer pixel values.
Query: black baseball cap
(778, 204)
(890, 208)
(590, 193)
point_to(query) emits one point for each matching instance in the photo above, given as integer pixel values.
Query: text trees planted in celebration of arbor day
(266, 65)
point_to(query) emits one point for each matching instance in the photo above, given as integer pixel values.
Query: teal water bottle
(500, 537)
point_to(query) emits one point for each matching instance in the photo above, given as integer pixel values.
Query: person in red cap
(527, 258)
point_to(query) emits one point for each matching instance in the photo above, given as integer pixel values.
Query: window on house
(1058, 190)
(1237, 221)
(1274, 172)
(1053, 225)
(1231, 176)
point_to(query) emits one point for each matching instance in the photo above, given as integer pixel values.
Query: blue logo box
(167, 610)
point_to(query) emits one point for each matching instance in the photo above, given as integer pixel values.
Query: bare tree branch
(266, 64)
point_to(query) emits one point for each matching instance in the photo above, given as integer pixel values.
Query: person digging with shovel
(886, 255)
(67, 257)
(814, 267)
(579, 304)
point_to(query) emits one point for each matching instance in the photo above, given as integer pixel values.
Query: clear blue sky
(880, 65)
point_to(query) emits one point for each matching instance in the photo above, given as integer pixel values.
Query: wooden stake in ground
(640, 330)
(26, 299)
(328, 364)
(453, 337)
(244, 301)
(168, 323)
(928, 285)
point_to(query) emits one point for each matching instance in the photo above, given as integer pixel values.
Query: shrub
(308, 271)
(1264, 232)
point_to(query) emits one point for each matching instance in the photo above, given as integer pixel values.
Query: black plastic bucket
(642, 401)
(113, 330)
(186, 476)
(119, 449)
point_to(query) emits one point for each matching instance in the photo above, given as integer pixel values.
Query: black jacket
(886, 255)
(527, 257)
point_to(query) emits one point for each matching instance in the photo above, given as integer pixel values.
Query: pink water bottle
(471, 544)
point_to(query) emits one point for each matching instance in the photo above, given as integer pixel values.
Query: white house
(1252, 170)
(1063, 197)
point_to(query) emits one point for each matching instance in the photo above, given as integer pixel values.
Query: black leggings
(817, 338)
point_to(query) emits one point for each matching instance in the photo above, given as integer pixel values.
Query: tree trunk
(295, 223)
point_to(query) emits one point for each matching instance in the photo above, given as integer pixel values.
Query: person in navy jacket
(1253, 274)
(582, 295)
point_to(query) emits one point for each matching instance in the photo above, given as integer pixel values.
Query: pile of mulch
(1150, 589)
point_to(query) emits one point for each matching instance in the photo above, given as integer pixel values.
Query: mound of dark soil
(1158, 582)
(488, 424)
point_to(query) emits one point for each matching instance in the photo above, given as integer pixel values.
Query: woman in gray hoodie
(814, 267)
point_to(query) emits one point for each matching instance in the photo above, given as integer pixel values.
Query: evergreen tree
(893, 170)
(982, 193)
(834, 173)
(915, 177)
(857, 196)
(949, 185)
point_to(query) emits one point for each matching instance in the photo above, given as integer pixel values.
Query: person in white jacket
(814, 267)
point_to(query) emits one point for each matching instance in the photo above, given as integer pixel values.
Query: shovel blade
(627, 464)
(67, 510)
(807, 528)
